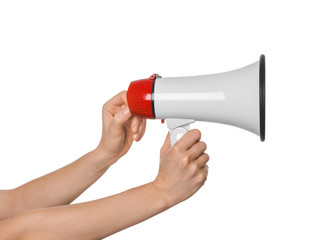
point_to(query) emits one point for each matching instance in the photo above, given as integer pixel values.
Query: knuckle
(193, 168)
(185, 159)
(176, 148)
(117, 119)
(176, 153)
(183, 163)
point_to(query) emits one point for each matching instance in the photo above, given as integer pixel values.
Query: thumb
(121, 117)
(166, 144)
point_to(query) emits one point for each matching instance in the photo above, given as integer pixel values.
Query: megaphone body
(235, 98)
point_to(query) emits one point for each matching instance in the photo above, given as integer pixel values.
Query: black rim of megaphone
(262, 96)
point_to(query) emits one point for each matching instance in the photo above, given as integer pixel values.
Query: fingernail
(135, 129)
(135, 136)
(126, 110)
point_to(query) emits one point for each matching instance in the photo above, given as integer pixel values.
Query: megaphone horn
(235, 98)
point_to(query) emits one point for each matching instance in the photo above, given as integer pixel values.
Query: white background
(61, 60)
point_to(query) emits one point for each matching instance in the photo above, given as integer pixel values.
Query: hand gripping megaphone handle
(177, 128)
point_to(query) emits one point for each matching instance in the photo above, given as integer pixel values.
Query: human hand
(183, 170)
(120, 128)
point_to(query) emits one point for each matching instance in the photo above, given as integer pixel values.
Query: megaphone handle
(177, 133)
(177, 128)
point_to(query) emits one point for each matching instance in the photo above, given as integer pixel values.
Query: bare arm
(54, 189)
(63, 186)
(91, 220)
(182, 172)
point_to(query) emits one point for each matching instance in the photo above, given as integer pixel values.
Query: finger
(202, 160)
(189, 139)
(135, 123)
(121, 117)
(166, 144)
(205, 170)
(137, 137)
(197, 150)
(118, 100)
(204, 173)
(144, 127)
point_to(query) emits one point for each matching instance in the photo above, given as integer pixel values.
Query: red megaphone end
(139, 97)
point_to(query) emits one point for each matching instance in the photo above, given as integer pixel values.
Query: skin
(39, 209)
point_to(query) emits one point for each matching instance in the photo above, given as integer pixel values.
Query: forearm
(6, 204)
(96, 219)
(61, 186)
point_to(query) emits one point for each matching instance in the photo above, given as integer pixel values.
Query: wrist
(167, 200)
(161, 199)
(102, 159)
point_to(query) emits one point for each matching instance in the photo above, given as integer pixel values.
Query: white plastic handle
(177, 128)
(177, 133)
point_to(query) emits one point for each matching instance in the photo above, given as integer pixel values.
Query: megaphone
(235, 98)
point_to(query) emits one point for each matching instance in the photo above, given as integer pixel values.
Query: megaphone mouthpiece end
(140, 97)
(262, 96)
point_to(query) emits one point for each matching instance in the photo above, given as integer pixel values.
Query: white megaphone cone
(235, 98)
